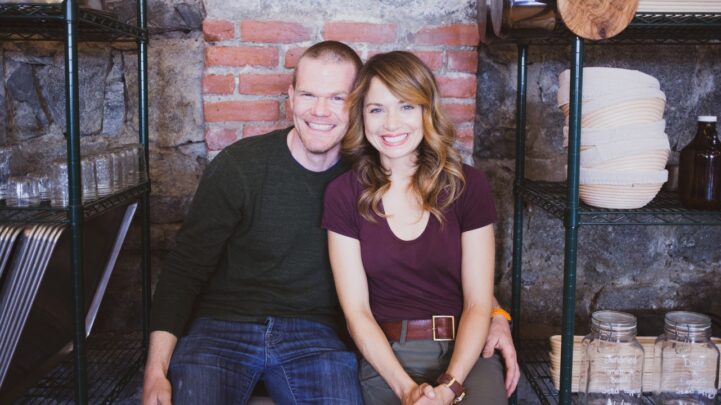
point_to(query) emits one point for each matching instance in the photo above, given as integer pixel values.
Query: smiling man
(247, 293)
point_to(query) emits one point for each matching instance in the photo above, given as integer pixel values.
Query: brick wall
(249, 65)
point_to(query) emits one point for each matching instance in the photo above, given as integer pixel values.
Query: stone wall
(199, 75)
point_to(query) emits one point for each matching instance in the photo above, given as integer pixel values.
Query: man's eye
(338, 99)
(306, 95)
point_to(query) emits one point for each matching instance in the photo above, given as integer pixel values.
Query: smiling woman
(410, 237)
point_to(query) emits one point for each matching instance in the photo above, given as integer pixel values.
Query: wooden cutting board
(597, 19)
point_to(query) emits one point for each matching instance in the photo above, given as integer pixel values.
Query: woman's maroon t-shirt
(411, 279)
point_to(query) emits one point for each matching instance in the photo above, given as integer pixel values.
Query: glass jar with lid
(612, 365)
(686, 359)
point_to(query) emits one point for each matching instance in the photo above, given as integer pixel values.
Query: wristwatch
(450, 382)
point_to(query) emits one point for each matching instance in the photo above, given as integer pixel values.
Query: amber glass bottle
(699, 182)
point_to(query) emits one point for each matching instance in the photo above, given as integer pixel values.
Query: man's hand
(156, 386)
(156, 390)
(499, 338)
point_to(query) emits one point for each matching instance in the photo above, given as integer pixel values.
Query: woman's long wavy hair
(438, 179)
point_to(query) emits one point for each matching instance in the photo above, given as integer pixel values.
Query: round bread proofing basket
(602, 136)
(633, 153)
(620, 189)
(628, 113)
(603, 81)
(646, 95)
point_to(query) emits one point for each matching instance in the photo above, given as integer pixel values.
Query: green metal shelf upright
(67, 23)
(562, 199)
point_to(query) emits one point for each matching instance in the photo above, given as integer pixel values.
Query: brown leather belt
(439, 328)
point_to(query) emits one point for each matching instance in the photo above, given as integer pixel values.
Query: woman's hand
(438, 395)
(416, 392)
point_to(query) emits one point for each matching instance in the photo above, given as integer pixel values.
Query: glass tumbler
(612, 365)
(89, 182)
(687, 360)
(104, 175)
(23, 192)
(59, 174)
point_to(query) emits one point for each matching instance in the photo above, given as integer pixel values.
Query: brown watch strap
(450, 382)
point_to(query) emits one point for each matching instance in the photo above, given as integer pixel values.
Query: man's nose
(320, 107)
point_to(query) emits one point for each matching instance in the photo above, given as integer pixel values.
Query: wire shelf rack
(665, 208)
(645, 29)
(113, 360)
(535, 363)
(59, 215)
(46, 22)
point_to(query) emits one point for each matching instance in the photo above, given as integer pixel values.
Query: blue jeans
(300, 362)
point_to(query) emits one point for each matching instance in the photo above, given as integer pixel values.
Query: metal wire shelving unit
(562, 199)
(66, 23)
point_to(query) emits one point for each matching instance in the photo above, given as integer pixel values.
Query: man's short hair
(332, 51)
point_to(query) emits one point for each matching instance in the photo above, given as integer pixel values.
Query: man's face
(318, 103)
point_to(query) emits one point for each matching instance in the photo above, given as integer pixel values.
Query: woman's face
(393, 126)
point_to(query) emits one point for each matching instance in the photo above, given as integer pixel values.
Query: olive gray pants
(424, 361)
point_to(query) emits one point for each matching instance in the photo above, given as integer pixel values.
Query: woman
(410, 233)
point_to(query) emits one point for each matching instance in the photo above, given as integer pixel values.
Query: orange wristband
(502, 312)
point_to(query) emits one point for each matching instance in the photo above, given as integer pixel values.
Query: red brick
(254, 130)
(241, 56)
(432, 59)
(218, 138)
(465, 135)
(262, 110)
(456, 34)
(218, 30)
(218, 84)
(276, 32)
(288, 111)
(360, 32)
(460, 113)
(266, 84)
(292, 56)
(463, 61)
(457, 87)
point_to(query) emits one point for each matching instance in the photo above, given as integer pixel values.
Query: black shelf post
(144, 140)
(75, 201)
(518, 196)
(571, 220)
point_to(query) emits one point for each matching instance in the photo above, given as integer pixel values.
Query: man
(250, 277)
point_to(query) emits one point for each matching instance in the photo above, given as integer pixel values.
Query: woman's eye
(408, 107)
(375, 110)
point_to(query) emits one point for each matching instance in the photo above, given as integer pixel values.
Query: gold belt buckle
(453, 327)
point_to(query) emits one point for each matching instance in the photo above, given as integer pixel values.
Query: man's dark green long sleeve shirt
(251, 245)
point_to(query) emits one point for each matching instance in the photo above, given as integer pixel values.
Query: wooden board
(597, 19)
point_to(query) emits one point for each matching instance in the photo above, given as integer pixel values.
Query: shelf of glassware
(664, 209)
(535, 362)
(46, 22)
(45, 213)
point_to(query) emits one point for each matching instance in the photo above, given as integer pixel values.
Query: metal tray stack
(35, 294)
